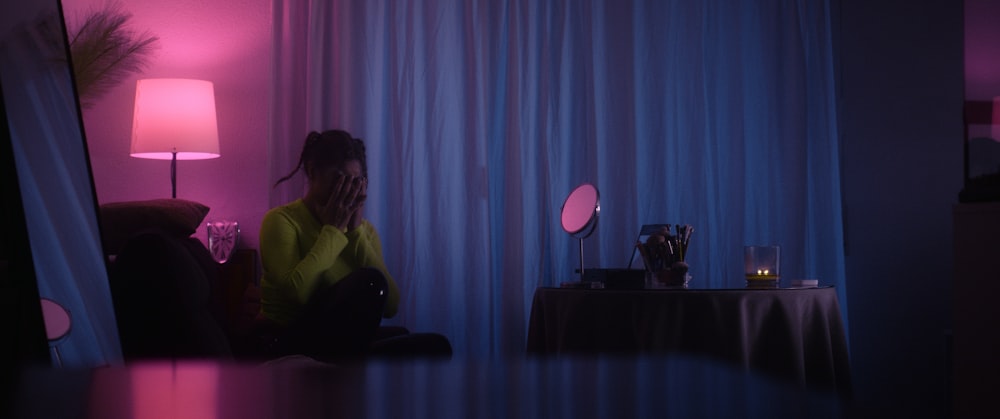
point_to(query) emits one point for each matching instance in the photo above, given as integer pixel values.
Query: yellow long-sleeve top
(300, 255)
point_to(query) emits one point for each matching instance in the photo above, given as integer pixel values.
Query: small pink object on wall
(995, 128)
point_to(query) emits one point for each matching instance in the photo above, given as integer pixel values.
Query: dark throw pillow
(123, 220)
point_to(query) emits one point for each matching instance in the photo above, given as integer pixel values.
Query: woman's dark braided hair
(329, 148)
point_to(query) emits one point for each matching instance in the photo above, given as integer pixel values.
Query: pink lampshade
(174, 115)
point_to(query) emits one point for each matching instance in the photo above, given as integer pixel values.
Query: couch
(168, 295)
(170, 300)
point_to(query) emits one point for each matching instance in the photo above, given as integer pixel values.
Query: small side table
(235, 276)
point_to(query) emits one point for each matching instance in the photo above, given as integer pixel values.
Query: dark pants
(340, 321)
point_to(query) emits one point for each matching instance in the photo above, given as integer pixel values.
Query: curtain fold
(480, 116)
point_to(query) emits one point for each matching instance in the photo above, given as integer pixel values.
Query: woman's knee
(369, 279)
(365, 287)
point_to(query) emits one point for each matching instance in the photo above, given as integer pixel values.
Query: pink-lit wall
(982, 49)
(223, 41)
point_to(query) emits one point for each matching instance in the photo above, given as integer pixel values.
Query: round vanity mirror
(57, 325)
(57, 320)
(580, 211)
(579, 214)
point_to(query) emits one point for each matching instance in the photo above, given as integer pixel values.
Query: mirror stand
(579, 215)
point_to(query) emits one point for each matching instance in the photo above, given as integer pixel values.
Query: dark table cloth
(795, 334)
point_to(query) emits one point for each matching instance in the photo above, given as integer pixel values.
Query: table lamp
(174, 119)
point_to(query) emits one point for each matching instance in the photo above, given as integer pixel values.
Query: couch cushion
(161, 288)
(174, 217)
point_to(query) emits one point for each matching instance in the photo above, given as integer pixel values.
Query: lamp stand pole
(173, 175)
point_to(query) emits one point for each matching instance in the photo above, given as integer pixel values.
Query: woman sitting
(325, 283)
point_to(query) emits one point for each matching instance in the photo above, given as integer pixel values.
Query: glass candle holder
(223, 236)
(762, 265)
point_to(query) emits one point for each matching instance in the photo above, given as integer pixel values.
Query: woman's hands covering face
(359, 204)
(343, 206)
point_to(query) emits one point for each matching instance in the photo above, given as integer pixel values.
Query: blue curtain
(480, 117)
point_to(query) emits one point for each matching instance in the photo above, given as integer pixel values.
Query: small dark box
(629, 279)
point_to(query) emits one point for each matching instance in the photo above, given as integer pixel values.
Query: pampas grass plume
(105, 51)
